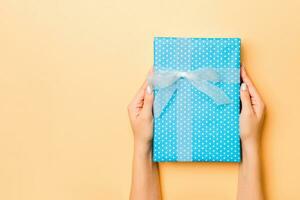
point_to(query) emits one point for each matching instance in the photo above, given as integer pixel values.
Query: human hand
(252, 114)
(141, 116)
(145, 173)
(251, 120)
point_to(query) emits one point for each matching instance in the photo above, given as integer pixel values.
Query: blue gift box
(192, 125)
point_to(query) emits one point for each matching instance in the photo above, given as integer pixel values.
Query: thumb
(148, 102)
(245, 98)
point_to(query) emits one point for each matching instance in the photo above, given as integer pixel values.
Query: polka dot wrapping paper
(192, 127)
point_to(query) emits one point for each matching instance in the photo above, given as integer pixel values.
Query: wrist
(250, 142)
(250, 147)
(142, 148)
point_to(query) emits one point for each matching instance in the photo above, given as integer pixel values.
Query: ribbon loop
(202, 79)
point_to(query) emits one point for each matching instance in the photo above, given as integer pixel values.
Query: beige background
(69, 68)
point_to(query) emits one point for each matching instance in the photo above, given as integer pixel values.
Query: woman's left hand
(141, 116)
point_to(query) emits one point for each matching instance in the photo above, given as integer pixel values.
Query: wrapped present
(197, 100)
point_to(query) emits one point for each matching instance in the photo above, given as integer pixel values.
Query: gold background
(69, 68)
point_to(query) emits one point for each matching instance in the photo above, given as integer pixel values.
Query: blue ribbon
(202, 79)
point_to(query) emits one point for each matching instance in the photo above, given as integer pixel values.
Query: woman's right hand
(251, 120)
(253, 111)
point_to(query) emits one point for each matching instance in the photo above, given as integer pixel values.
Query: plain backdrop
(69, 68)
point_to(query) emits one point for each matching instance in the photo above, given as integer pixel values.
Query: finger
(137, 101)
(246, 79)
(140, 92)
(245, 98)
(148, 102)
(149, 98)
(139, 96)
(142, 89)
(256, 99)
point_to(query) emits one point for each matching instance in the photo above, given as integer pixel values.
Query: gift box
(197, 100)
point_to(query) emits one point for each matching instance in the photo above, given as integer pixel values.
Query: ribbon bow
(202, 79)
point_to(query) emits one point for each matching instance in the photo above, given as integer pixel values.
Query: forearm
(145, 175)
(250, 186)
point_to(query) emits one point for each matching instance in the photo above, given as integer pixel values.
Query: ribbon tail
(214, 92)
(162, 98)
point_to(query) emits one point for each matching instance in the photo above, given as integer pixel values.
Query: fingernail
(149, 89)
(243, 87)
